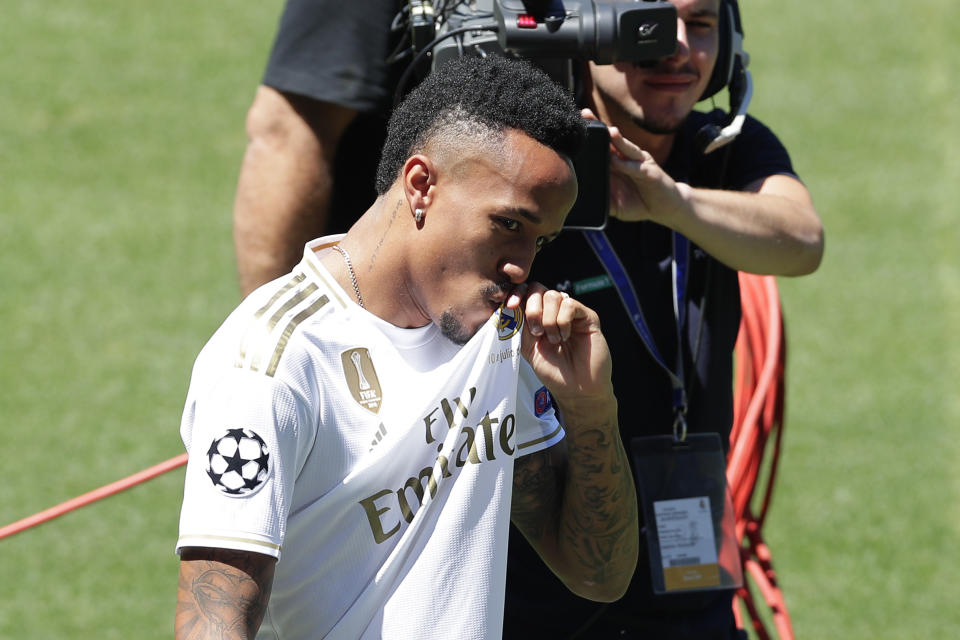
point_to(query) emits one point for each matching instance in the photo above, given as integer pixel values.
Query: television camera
(558, 36)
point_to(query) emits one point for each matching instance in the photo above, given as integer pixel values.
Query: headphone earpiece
(730, 71)
(731, 34)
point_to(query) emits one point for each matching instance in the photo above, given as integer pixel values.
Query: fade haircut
(469, 99)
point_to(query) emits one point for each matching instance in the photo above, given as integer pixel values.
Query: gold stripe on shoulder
(294, 281)
(290, 328)
(331, 288)
(524, 445)
(278, 315)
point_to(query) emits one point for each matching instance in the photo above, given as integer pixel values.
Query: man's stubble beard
(655, 127)
(660, 127)
(452, 328)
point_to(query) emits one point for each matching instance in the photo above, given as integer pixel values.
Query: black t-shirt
(337, 52)
(537, 600)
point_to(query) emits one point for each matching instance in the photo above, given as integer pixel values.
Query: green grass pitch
(121, 134)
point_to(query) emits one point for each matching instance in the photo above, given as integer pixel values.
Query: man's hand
(639, 187)
(769, 227)
(564, 346)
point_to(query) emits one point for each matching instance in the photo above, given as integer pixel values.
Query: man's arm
(222, 594)
(285, 185)
(576, 502)
(771, 227)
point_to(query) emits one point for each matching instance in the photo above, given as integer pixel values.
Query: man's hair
(474, 97)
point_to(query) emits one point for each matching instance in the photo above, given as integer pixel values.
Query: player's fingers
(533, 309)
(569, 311)
(553, 322)
(516, 296)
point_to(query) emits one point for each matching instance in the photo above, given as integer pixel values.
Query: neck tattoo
(353, 276)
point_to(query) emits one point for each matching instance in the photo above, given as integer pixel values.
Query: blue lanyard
(679, 270)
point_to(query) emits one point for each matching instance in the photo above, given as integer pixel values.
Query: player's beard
(453, 330)
(452, 327)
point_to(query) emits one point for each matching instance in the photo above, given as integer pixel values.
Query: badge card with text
(687, 513)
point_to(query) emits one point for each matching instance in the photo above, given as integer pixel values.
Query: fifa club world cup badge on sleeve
(238, 462)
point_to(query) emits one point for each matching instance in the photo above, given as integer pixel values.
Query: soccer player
(381, 413)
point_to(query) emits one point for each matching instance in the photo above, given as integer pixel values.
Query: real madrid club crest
(362, 378)
(509, 322)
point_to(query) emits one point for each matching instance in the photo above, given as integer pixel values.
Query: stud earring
(418, 215)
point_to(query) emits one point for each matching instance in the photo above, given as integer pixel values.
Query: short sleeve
(537, 417)
(246, 440)
(757, 153)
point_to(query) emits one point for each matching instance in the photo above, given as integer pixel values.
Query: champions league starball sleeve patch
(238, 462)
(542, 401)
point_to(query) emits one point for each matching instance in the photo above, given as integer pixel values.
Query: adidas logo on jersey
(378, 436)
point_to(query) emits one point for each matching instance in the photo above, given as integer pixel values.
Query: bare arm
(771, 227)
(576, 502)
(283, 193)
(222, 594)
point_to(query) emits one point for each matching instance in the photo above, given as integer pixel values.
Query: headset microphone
(711, 137)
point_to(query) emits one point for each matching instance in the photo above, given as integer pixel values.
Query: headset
(730, 71)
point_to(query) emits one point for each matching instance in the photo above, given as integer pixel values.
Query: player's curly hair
(477, 96)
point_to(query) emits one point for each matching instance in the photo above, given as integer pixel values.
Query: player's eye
(509, 224)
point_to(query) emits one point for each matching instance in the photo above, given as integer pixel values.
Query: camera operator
(742, 208)
(314, 128)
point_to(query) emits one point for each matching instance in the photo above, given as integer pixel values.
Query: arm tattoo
(579, 498)
(537, 488)
(222, 594)
(598, 528)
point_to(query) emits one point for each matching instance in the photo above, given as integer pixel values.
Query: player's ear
(419, 175)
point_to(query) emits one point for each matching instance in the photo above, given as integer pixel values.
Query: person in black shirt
(315, 127)
(742, 207)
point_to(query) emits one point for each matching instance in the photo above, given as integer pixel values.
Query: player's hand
(563, 343)
(639, 187)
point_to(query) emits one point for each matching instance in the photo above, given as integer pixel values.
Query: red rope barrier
(93, 496)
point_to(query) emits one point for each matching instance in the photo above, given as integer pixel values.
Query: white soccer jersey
(379, 460)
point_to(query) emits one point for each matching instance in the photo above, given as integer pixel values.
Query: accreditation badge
(688, 511)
